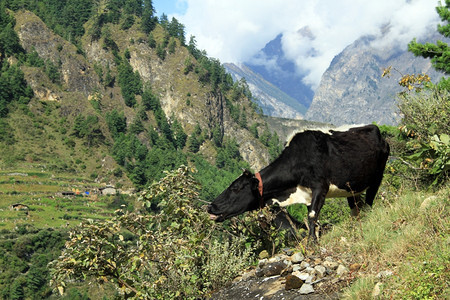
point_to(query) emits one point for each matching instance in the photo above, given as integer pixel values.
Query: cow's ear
(247, 173)
(255, 183)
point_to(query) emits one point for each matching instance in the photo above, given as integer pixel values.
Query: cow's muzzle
(212, 215)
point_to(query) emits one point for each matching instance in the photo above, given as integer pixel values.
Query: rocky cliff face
(352, 90)
(182, 96)
(77, 74)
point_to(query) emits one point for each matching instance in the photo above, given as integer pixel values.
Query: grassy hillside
(401, 248)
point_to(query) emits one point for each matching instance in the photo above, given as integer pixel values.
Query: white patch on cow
(301, 195)
(312, 214)
(335, 192)
(325, 129)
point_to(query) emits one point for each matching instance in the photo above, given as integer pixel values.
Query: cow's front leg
(318, 199)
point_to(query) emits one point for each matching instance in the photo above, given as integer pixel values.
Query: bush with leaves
(426, 112)
(164, 255)
(426, 121)
(270, 229)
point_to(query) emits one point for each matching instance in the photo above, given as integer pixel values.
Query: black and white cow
(314, 165)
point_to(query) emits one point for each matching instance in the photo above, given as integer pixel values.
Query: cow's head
(241, 196)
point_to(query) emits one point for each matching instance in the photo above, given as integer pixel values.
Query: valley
(105, 97)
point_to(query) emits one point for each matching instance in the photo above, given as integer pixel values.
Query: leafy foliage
(9, 41)
(260, 230)
(117, 122)
(425, 113)
(272, 141)
(426, 110)
(170, 254)
(229, 157)
(196, 139)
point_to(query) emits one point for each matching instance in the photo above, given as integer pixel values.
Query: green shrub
(425, 113)
(426, 121)
(261, 231)
(165, 255)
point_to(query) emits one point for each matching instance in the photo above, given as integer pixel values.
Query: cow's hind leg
(373, 189)
(355, 203)
(371, 193)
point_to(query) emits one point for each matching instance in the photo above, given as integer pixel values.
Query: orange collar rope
(260, 189)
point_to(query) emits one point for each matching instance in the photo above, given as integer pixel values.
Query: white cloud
(314, 31)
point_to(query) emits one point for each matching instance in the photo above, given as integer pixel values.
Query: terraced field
(51, 200)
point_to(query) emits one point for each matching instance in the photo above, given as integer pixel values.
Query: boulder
(293, 282)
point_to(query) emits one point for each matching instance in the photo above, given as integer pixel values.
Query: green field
(46, 206)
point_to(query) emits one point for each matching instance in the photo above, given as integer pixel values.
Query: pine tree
(9, 41)
(439, 52)
(148, 19)
(179, 135)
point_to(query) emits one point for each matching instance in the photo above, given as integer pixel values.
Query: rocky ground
(291, 275)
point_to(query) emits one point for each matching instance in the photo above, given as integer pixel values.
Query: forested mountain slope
(117, 94)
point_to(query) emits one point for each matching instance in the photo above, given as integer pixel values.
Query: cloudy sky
(314, 31)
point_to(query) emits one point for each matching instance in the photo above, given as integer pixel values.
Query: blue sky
(169, 7)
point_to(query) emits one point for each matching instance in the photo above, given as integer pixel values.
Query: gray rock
(332, 265)
(304, 265)
(297, 257)
(384, 274)
(341, 270)
(277, 258)
(296, 268)
(288, 270)
(310, 279)
(249, 275)
(377, 290)
(320, 271)
(262, 262)
(259, 272)
(302, 275)
(306, 289)
(272, 269)
(288, 251)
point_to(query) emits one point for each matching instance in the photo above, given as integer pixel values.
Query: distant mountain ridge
(282, 72)
(277, 88)
(351, 90)
(272, 100)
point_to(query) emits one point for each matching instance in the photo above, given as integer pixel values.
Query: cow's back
(347, 159)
